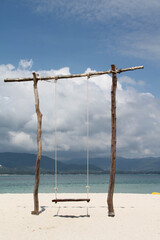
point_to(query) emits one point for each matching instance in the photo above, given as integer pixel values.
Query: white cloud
(138, 117)
(20, 139)
(101, 10)
(127, 80)
(129, 27)
(141, 44)
(25, 64)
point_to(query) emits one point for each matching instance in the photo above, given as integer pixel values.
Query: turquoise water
(125, 183)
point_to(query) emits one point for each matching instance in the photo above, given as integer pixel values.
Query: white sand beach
(137, 216)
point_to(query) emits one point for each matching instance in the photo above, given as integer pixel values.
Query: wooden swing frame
(35, 80)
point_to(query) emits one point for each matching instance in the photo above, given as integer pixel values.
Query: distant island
(24, 163)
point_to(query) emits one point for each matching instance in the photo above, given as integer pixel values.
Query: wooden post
(39, 146)
(113, 143)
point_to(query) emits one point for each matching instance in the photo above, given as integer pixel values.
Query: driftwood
(113, 144)
(39, 146)
(73, 75)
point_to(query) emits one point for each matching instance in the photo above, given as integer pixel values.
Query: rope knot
(56, 79)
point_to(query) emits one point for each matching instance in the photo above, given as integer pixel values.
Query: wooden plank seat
(71, 200)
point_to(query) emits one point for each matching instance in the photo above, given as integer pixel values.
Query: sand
(137, 217)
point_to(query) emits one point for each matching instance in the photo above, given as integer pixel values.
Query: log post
(39, 146)
(113, 143)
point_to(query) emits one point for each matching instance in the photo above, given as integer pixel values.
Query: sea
(76, 183)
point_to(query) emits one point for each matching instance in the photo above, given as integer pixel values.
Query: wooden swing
(56, 200)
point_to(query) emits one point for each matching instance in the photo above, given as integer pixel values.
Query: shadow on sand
(43, 209)
(71, 216)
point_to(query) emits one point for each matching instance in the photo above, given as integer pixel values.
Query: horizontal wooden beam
(129, 69)
(71, 75)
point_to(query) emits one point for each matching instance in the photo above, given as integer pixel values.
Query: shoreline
(137, 216)
(83, 173)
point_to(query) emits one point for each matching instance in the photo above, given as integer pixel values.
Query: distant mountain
(24, 163)
(103, 163)
(134, 165)
(149, 164)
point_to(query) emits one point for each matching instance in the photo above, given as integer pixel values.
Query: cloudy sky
(66, 37)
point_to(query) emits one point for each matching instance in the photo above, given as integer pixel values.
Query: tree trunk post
(39, 146)
(113, 143)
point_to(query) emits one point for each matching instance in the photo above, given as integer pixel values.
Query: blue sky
(81, 34)
(72, 36)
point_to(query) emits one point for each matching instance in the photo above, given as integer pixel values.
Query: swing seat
(71, 200)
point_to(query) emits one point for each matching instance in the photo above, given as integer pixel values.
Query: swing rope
(55, 136)
(87, 109)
